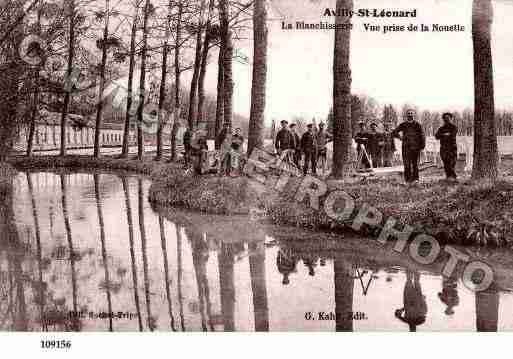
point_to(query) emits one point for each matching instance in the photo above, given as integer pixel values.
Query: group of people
(229, 146)
(377, 149)
(374, 149)
(311, 145)
(379, 146)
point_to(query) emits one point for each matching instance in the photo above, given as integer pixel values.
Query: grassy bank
(464, 214)
(207, 193)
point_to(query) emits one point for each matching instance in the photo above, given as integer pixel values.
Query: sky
(431, 70)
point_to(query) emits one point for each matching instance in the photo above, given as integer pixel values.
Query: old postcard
(255, 165)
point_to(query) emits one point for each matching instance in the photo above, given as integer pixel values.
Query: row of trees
(98, 57)
(368, 110)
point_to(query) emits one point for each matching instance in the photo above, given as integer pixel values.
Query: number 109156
(55, 344)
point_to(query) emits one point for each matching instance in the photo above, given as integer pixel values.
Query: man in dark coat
(412, 136)
(362, 139)
(284, 138)
(187, 145)
(448, 147)
(297, 144)
(373, 148)
(388, 146)
(309, 148)
(323, 138)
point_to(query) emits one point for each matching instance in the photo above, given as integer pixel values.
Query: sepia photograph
(255, 166)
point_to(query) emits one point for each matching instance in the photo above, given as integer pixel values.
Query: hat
(310, 125)
(447, 114)
(284, 122)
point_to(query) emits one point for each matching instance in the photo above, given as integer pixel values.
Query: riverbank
(85, 162)
(464, 213)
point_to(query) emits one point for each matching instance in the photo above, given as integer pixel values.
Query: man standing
(413, 141)
(373, 145)
(236, 149)
(388, 146)
(309, 147)
(297, 144)
(448, 148)
(323, 137)
(284, 139)
(187, 146)
(361, 139)
(223, 145)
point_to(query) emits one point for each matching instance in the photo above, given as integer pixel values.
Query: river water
(81, 246)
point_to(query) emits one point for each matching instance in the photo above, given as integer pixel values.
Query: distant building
(79, 133)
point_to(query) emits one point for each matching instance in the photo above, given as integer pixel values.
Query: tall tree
(128, 114)
(142, 81)
(227, 51)
(203, 66)
(99, 106)
(35, 101)
(162, 93)
(485, 134)
(220, 93)
(341, 92)
(256, 117)
(69, 73)
(192, 116)
(176, 112)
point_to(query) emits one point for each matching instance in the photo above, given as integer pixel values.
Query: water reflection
(133, 263)
(78, 262)
(414, 308)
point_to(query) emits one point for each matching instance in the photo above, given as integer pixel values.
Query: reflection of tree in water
(75, 325)
(259, 285)
(226, 283)
(128, 209)
(487, 309)
(199, 259)
(166, 272)
(150, 319)
(344, 285)
(105, 260)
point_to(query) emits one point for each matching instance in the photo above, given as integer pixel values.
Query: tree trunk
(162, 96)
(69, 71)
(341, 94)
(485, 134)
(192, 115)
(128, 114)
(256, 118)
(227, 50)
(99, 106)
(203, 66)
(37, 75)
(176, 114)
(220, 93)
(142, 83)
(344, 285)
